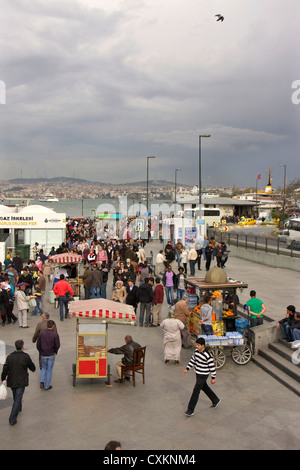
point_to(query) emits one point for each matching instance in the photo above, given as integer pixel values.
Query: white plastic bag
(3, 391)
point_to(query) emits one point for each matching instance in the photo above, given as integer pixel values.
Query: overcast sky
(93, 87)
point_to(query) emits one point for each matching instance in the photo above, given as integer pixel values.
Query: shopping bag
(32, 303)
(3, 391)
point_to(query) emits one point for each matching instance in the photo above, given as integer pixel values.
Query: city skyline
(93, 90)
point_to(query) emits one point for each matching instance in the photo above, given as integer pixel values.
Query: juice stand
(92, 320)
(225, 318)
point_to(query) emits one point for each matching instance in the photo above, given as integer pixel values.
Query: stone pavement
(256, 412)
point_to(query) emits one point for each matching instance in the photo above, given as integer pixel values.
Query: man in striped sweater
(204, 365)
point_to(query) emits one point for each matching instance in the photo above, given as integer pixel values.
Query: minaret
(269, 185)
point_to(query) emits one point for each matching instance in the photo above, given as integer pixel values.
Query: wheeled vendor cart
(227, 338)
(92, 320)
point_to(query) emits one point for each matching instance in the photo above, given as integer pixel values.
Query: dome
(216, 275)
(6, 209)
(35, 208)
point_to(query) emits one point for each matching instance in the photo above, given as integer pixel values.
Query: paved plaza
(256, 412)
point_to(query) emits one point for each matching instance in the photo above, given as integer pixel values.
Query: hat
(128, 259)
(22, 284)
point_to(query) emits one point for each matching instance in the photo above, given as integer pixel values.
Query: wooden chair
(138, 365)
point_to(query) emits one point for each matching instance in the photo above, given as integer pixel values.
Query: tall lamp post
(284, 191)
(200, 186)
(177, 169)
(148, 183)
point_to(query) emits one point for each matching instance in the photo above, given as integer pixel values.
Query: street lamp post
(148, 183)
(284, 191)
(200, 186)
(177, 169)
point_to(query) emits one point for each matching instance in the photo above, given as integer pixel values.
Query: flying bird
(220, 17)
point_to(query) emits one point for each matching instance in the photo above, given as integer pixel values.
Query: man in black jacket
(132, 294)
(15, 370)
(145, 297)
(127, 360)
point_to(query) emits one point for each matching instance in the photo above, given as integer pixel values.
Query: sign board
(139, 225)
(32, 220)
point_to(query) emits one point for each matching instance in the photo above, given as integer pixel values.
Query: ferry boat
(48, 198)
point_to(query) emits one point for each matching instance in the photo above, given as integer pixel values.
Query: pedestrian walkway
(256, 412)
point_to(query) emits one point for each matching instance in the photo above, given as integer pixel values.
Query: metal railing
(254, 242)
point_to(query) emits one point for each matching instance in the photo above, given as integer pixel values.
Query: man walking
(203, 363)
(15, 370)
(63, 291)
(48, 344)
(96, 282)
(170, 284)
(145, 297)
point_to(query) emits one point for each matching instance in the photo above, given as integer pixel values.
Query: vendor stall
(92, 319)
(224, 303)
(65, 260)
(224, 319)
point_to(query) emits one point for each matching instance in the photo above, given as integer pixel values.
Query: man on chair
(127, 349)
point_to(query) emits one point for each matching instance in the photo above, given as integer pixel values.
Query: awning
(64, 258)
(104, 309)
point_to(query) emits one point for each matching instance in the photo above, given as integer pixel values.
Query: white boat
(48, 198)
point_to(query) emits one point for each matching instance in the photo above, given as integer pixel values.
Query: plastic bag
(3, 391)
(32, 303)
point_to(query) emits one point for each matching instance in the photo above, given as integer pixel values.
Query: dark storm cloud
(99, 87)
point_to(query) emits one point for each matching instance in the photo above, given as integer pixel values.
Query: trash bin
(24, 251)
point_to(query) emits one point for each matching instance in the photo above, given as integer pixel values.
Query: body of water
(87, 207)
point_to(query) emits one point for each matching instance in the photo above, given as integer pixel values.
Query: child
(37, 295)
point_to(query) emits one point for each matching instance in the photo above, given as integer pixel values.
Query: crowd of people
(134, 282)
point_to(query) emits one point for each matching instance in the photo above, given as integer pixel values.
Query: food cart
(225, 318)
(67, 259)
(92, 320)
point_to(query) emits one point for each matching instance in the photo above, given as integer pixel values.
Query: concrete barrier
(268, 259)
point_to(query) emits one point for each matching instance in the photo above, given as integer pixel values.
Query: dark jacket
(97, 278)
(145, 293)
(127, 350)
(132, 296)
(48, 342)
(4, 299)
(15, 369)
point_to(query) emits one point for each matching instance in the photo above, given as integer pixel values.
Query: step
(277, 374)
(284, 350)
(285, 365)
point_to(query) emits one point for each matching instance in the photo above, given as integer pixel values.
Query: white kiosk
(25, 225)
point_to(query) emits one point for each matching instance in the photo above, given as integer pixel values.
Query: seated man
(286, 323)
(127, 360)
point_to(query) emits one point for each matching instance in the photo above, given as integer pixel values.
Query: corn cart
(231, 332)
(63, 260)
(92, 320)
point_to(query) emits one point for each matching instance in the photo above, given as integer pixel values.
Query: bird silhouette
(220, 17)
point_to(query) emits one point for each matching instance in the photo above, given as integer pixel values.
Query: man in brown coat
(181, 312)
(42, 284)
(87, 282)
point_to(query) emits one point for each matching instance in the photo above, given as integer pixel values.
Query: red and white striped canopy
(63, 258)
(102, 309)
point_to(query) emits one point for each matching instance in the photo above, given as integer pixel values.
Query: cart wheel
(241, 355)
(218, 357)
(74, 374)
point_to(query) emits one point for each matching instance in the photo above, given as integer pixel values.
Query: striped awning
(102, 309)
(64, 258)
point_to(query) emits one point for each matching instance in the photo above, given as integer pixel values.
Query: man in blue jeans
(15, 371)
(64, 292)
(170, 284)
(48, 344)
